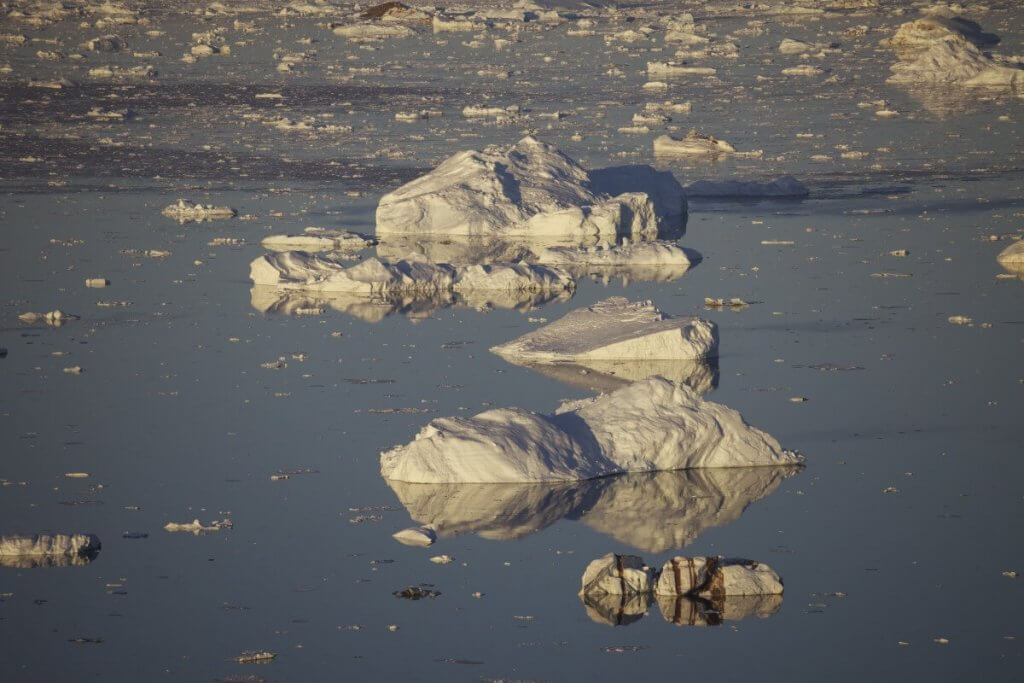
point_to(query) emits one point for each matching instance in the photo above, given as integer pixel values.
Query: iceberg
(652, 425)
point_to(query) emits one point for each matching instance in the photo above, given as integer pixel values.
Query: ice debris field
(337, 338)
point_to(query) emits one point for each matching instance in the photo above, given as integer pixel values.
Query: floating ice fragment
(318, 239)
(41, 550)
(197, 527)
(1012, 258)
(694, 144)
(419, 536)
(186, 212)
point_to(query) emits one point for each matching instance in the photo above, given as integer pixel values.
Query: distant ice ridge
(528, 189)
(300, 270)
(652, 425)
(786, 186)
(613, 330)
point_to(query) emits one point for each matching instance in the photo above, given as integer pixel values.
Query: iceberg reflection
(652, 512)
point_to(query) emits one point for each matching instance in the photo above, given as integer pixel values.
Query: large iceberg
(613, 330)
(529, 189)
(653, 425)
(48, 550)
(955, 60)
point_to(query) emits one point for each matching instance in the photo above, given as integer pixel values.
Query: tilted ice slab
(373, 277)
(956, 61)
(651, 511)
(652, 425)
(614, 329)
(37, 550)
(786, 186)
(529, 189)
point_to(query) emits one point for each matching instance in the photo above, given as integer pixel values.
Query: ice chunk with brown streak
(784, 187)
(715, 578)
(614, 329)
(957, 61)
(683, 610)
(528, 189)
(652, 425)
(650, 511)
(614, 587)
(315, 239)
(48, 550)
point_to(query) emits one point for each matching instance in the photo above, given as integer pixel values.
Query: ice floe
(48, 550)
(529, 189)
(651, 425)
(695, 144)
(373, 277)
(186, 212)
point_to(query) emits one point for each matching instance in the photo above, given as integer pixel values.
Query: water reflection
(608, 375)
(681, 610)
(946, 102)
(654, 512)
(269, 299)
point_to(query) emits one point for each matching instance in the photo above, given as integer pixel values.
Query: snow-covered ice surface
(182, 390)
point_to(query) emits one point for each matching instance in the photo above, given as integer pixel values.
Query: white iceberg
(957, 61)
(786, 186)
(613, 330)
(187, 212)
(694, 144)
(652, 425)
(922, 33)
(529, 189)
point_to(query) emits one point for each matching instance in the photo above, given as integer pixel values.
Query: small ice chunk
(669, 69)
(53, 318)
(197, 527)
(97, 282)
(187, 212)
(622, 575)
(422, 536)
(694, 144)
(1012, 258)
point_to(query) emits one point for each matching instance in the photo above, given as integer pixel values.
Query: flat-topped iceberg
(528, 189)
(650, 511)
(653, 425)
(48, 550)
(299, 270)
(614, 329)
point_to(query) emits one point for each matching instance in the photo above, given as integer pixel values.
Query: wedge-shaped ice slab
(529, 189)
(650, 511)
(652, 425)
(48, 550)
(614, 329)
(299, 270)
